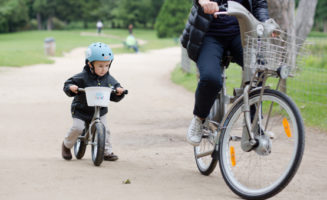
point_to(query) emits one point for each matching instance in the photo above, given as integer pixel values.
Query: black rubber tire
(99, 135)
(80, 148)
(298, 155)
(213, 163)
(210, 169)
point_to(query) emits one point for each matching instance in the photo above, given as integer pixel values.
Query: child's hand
(74, 88)
(119, 91)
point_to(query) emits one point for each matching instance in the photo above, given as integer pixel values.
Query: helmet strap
(111, 63)
(91, 67)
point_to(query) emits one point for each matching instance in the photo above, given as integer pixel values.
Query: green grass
(314, 34)
(189, 80)
(27, 48)
(308, 89)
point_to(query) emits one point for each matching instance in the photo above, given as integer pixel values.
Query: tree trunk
(39, 21)
(85, 24)
(283, 13)
(49, 24)
(325, 27)
(305, 17)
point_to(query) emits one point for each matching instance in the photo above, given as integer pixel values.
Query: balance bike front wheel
(98, 144)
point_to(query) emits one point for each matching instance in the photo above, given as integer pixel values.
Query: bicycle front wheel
(98, 144)
(266, 169)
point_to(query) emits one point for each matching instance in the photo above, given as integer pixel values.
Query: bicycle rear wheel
(98, 144)
(80, 147)
(269, 167)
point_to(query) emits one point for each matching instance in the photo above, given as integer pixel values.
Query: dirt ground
(148, 133)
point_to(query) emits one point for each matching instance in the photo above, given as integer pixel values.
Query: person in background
(130, 28)
(131, 42)
(99, 26)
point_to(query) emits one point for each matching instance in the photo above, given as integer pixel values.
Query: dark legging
(208, 63)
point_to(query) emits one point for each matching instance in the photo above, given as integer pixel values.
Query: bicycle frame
(90, 126)
(247, 23)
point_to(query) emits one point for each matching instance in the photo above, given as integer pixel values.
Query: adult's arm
(209, 7)
(260, 10)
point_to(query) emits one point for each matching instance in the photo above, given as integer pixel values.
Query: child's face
(101, 67)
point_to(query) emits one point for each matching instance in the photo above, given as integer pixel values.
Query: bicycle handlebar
(222, 10)
(124, 92)
(113, 90)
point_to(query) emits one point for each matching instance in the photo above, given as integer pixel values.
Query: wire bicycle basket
(273, 52)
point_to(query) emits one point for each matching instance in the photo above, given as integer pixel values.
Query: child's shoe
(110, 157)
(65, 152)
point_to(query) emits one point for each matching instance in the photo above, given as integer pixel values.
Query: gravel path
(148, 129)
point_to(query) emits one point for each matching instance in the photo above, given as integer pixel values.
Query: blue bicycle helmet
(99, 52)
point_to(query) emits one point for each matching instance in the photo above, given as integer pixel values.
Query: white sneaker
(194, 133)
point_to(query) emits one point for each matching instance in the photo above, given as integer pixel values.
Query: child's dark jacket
(86, 78)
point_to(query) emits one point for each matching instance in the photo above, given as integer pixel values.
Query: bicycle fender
(240, 98)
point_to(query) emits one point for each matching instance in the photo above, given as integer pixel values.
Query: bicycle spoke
(266, 165)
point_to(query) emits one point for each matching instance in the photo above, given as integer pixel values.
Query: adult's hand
(209, 7)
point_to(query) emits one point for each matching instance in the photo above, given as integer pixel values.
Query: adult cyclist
(206, 38)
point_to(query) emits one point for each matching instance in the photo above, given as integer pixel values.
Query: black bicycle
(94, 132)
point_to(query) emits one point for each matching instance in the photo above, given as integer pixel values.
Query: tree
(154, 11)
(133, 12)
(172, 17)
(13, 15)
(69, 10)
(305, 17)
(283, 11)
(321, 16)
(45, 9)
(107, 11)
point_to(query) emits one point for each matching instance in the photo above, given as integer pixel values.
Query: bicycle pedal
(213, 127)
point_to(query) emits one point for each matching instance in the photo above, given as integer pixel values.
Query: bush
(13, 15)
(31, 25)
(58, 24)
(75, 25)
(317, 51)
(318, 34)
(172, 17)
(316, 62)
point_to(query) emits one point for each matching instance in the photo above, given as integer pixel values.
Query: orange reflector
(232, 156)
(287, 128)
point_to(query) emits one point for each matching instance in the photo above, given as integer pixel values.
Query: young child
(98, 60)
